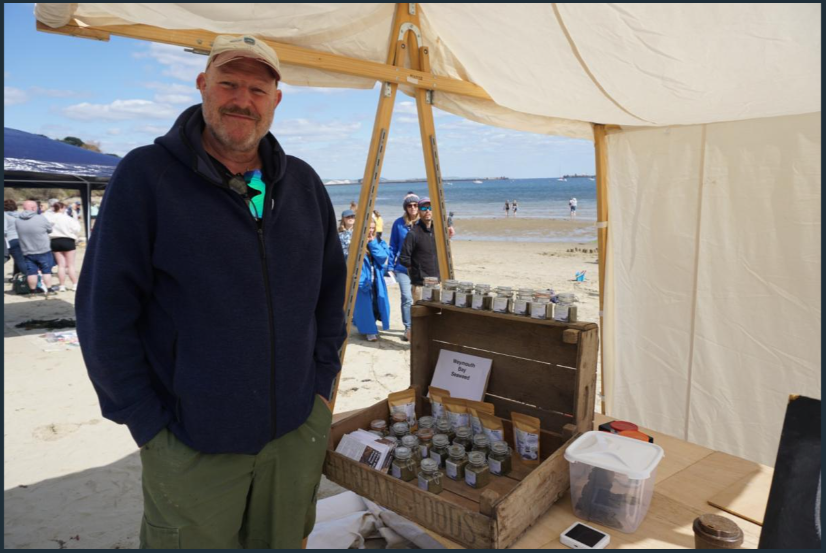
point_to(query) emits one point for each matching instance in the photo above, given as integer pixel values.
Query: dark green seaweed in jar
(477, 473)
(499, 459)
(456, 462)
(480, 443)
(412, 443)
(439, 451)
(403, 467)
(425, 436)
(463, 438)
(443, 427)
(430, 479)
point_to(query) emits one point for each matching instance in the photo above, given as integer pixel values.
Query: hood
(184, 142)
(27, 214)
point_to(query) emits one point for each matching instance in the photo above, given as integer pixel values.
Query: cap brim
(226, 57)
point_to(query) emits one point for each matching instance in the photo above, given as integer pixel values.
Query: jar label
(461, 300)
(436, 457)
(477, 302)
(447, 296)
(538, 310)
(470, 478)
(561, 312)
(451, 469)
(422, 483)
(520, 307)
(495, 466)
(397, 472)
(500, 305)
(427, 294)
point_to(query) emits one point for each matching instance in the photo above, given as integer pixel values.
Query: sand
(72, 478)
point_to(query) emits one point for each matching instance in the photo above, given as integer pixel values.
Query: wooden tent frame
(405, 45)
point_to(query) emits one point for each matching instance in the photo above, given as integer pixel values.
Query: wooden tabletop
(687, 477)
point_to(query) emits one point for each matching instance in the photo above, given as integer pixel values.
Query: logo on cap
(249, 40)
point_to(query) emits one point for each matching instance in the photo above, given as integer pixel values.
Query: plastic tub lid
(633, 458)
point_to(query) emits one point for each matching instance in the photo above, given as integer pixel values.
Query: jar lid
(476, 458)
(431, 280)
(504, 288)
(378, 423)
(425, 433)
(500, 447)
(483, 287)
(429, 465)
(462, 432)
(399, 416)
(403, 453)
(635, 434)
(410, 441)
(633, 458)
(465, 284)
(441, 440)
(393, 439)
(426, 422)
(480, 440)
(456, 450)
(718, 527)
(620, 426)
(443, 424)
(400, 427)
(566, 297)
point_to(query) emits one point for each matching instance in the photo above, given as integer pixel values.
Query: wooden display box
(546, 369)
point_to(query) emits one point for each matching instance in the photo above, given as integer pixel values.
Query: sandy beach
(72, 478)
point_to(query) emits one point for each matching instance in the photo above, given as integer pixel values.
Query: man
(33, 235)
(419, 250)
(572, 204)
(213, 334)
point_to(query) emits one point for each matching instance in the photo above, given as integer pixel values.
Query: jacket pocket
(156, 537)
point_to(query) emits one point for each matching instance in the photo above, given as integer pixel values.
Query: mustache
(239, 111)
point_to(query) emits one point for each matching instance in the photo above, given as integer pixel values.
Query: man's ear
(200, 82)
(278, 96)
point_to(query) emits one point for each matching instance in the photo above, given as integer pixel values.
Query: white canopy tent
(707, 120)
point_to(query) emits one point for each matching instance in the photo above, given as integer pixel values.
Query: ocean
(537, 198)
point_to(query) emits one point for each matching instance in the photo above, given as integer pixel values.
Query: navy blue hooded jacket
(191, 317)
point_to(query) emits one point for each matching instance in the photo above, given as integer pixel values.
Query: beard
(223, 134)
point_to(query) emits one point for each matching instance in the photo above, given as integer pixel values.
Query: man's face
(426, 212)
(239, 101)
(29, 205)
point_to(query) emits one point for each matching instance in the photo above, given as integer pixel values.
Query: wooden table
(687, 477)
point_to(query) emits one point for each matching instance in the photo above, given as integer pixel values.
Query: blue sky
(123, 93)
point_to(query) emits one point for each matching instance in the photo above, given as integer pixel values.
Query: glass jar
(541, 306)
(519, 306)
(403, 467)
(443, 427)
(463, 438)
(425, 436)
(564, 305)
(427, 422)
(481, 298)
(503, 296)
(430, 479)
(464, 294)
(477, 473)
(499, 460)
(480, 443)
(449, 291)
(412, 443)
(431, 290)
(439, 450)
(380, 425)
(400, 429)
(397, 416)
(456, 462)
(395, 442)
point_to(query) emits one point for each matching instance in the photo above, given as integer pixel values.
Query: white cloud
(175, 99)
(409, 108)
(406, 119)
(178, 64)
(120, 110)
(57, 93)
(172, 88)
(154, 130)
(13, 96)
(114, 131)
(304, 130)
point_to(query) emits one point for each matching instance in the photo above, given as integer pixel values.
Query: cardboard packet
(404, 402)
(492, 427)
(526, 436)
(436, 396)
(456, 410)
(473, 408)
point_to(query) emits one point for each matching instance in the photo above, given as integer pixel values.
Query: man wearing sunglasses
(419, 250)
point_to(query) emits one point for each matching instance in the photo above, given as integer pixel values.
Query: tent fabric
(713, 180)
(28, 152)
(716, 265)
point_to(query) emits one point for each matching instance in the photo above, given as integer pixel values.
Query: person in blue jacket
(372, 301)
(401, 227)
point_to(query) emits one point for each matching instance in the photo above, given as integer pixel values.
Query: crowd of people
(41, 237)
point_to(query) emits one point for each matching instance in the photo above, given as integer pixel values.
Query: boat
(477, 182)
(563, 179)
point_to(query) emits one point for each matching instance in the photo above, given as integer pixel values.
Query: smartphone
(582, 536)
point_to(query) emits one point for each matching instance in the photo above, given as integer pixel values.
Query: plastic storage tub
(612, 478)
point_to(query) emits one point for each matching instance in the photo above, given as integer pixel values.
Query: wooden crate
(541, 368)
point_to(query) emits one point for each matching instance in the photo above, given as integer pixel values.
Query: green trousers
(231, 500)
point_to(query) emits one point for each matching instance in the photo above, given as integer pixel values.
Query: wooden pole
(601, 154)
(370, 181)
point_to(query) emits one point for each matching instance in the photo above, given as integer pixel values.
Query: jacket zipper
(270, 320)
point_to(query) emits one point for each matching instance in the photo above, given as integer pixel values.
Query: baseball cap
(235, 47)
(53, 201)
(424, 200)
(410, 199)
(348, 213)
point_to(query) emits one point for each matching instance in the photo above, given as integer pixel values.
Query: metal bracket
(388, 90)
(197, 51)
(428, 96)
(411, 8)
(411, 27)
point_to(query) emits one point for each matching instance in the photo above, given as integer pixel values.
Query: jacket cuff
(145, 423)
